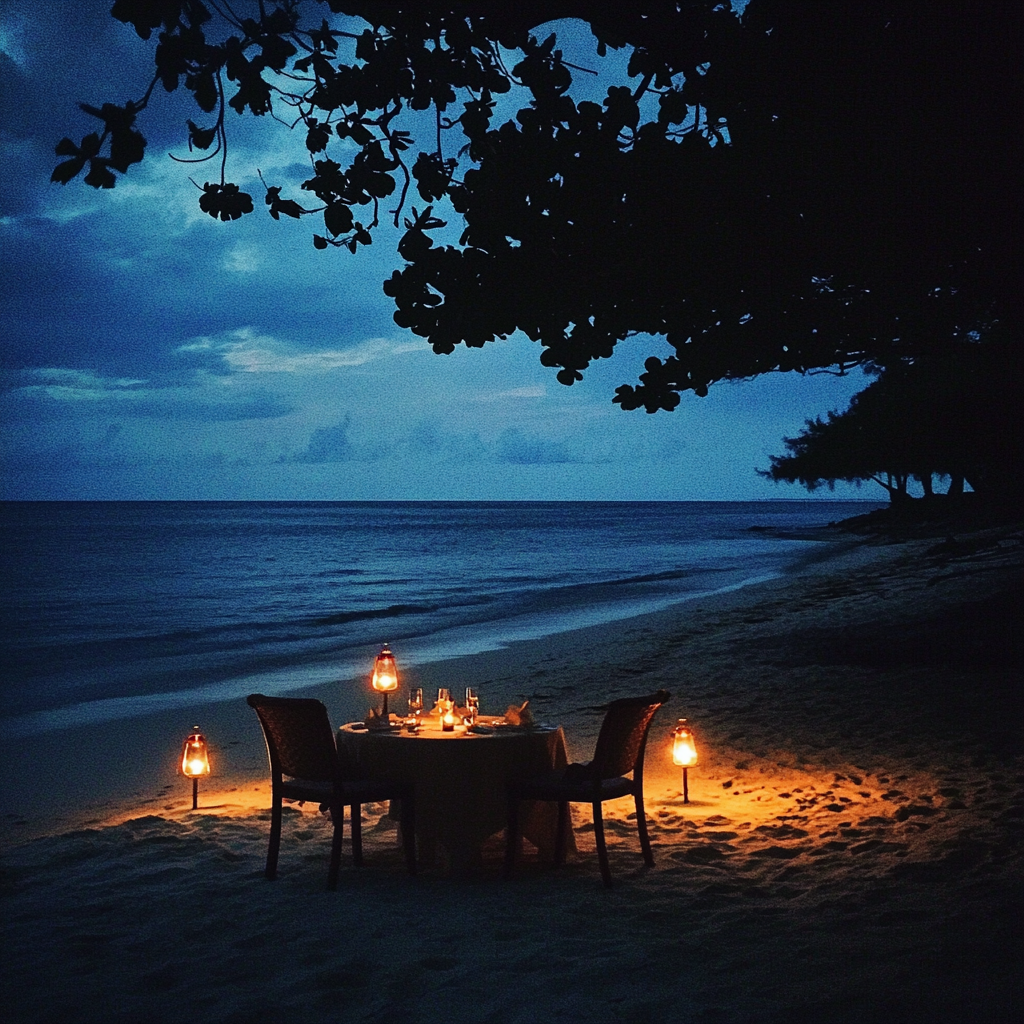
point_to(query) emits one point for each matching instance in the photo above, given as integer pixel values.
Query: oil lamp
(684, 753)
(385, 677)
(448, 719)
(195, 761)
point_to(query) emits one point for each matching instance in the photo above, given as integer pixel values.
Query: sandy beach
(852, 850)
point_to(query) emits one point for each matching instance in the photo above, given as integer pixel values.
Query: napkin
(519, 715)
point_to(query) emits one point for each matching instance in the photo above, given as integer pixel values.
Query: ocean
(111, 610)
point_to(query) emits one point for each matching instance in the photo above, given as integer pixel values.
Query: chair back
(623, 736)
(300, 740)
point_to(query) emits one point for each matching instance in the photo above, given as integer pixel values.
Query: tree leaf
(201, 138)
(67, 170)
(338, 218)
(100, 175)
(226, 202)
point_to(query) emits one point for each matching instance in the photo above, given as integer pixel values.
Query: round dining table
(461, 780)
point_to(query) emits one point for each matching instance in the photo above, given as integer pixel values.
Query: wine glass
(412, 721)
(472, 702)
(444, 699)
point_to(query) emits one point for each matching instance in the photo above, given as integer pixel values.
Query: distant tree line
(956, 417)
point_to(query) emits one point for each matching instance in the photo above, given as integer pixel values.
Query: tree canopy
(796, 186)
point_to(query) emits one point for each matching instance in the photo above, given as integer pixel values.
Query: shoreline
(69, 785)
(316, 670)
(112, 710)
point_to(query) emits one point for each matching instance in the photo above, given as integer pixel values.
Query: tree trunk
(898, 483)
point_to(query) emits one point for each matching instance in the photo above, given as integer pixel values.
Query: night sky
(150, 352)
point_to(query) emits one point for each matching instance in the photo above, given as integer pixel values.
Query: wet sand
(852, 850)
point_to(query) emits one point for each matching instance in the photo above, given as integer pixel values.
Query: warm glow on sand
(760, 815)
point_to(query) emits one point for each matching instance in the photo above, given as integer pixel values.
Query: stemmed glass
(415, 708)
(472, 704)
(444, 695)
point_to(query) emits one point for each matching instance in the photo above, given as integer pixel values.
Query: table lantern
(195, 761)
(385, 677)
(684, 753)
(448, 719)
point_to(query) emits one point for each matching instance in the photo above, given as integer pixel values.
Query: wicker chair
(619, 752)
(304, 765)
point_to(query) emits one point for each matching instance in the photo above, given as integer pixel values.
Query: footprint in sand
(779, 852)
(781, 831)
(701, 855)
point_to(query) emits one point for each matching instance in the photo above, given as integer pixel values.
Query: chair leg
(511, 835)
(602, 849)
(357, 835)
(274, 846)
(641, 827)
(338, 818)
(561, 836)
(409, 831)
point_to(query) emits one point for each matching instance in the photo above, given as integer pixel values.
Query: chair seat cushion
(357, 791)
(572, 785)
(307, 789)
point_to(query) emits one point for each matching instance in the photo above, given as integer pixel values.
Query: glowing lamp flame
(448, 721)
(385, 672)
(195, 756)
(684, 751)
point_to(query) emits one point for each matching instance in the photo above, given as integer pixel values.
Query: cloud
(327, 444)
(12, 41)
(243, 259)
(245, 351)
(49, 391)
(516, 447)
(430, 441)
(529, 391)
(73, 384)
(256, 407)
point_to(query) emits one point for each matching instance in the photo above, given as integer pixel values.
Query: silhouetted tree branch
(811, 185)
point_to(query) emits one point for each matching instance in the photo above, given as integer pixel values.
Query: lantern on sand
(684, 753)
(195, 761)
(385, 677)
